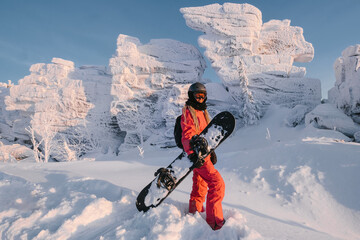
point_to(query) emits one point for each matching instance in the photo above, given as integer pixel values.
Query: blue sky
(85, 31)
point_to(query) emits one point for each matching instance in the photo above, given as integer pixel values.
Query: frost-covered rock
(48, 90)
(14, 152)
(297, 115)
(99, 123)
(346, 92)
(327, 116)
(278, 38)
(255, 60)
(217, 92)
(5, 130)
(357, 137)
(67, 106)
(6, 85)
(148, 86)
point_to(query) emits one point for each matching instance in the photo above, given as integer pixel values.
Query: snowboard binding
(165, 179)
(199, 145)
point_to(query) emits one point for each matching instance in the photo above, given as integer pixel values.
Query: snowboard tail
(220, 127)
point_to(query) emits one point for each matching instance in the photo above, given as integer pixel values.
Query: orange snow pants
(207, 180)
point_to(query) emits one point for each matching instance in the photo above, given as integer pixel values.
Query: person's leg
(198, 193)
(216, 192)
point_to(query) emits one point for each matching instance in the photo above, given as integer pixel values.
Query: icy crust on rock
(346, 92)
(162, 62)
(255, 60)
(148, 83)
(279, 38)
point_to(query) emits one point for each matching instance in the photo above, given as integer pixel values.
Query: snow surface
(281, 183)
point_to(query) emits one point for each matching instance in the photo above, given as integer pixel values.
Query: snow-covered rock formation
(357, 137)
(5, 131)
(64, 106)
(101, 126)
(14, 152)
(346, 92)
(148, 86)
(327, 116)
(255, 60)
(47, 93)
(138, 97)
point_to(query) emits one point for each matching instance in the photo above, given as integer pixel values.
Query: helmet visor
(199, 96)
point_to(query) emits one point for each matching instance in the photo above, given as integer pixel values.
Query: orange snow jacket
(191, 126)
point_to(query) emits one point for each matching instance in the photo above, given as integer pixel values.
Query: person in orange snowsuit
(206, 179)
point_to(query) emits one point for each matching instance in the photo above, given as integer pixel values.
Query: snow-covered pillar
(255, 60)
(146, 86)
(231, 30)
(346, 92)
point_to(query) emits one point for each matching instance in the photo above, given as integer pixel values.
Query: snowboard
(220, 127)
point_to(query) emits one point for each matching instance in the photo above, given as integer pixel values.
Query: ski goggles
(199, 96)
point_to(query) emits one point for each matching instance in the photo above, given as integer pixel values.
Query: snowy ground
(281, 183)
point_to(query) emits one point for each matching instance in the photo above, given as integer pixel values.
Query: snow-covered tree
(248, 107)
(77, 141)
(138, 119)
(43, 125)
(35, 144)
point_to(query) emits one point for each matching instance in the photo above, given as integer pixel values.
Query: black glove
(194, 158)
(199, 144)
(213, 158)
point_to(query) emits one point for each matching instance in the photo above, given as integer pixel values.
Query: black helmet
(197, 88)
